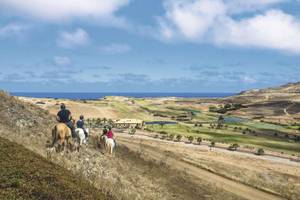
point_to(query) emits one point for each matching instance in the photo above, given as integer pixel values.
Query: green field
(168, 110)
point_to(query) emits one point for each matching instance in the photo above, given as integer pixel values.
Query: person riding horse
(64, 116)
(110, 134)
(80, 124)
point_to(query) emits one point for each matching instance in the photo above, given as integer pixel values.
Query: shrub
(199, 140)
(163, 137)
(190, 139)
(212, 143)
(260, 151)
(171, 137)
(233, 147)
(163, 132)
(132, 131)
(178, 138)
(156, 136)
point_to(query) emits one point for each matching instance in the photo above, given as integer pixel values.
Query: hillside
(26, 175)
(277, 105)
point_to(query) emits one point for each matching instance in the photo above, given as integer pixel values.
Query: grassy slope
(26, 175)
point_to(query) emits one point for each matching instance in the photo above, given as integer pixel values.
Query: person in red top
(110, 134)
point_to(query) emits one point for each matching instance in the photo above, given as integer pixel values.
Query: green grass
(26, 175)
(229, 136)
(145, 108)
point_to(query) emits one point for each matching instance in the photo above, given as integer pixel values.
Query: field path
(239, 189)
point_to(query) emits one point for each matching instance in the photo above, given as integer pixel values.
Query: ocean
(81, 96)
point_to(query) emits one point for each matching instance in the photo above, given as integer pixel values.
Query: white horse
(81, 135)
(109, 144)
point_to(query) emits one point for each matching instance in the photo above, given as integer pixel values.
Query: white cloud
(114, 49)
(62, 60)
(213, 21)
(12, 29)
(71, 39)
(191, 19)
(248, 80)
(274, 29)
(57, 10)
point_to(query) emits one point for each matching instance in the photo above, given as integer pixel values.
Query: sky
(148, 46)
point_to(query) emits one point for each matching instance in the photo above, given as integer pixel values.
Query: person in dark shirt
(64, 116)
(80, 124)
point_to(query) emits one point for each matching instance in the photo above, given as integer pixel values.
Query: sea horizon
(99, 95)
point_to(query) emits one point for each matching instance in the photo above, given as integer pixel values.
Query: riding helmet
(62, 106)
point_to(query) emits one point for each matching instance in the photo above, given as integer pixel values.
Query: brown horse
(62, 135)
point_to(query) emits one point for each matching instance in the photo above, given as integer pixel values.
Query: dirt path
(236, 188)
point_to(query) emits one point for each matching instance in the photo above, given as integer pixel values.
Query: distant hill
(291, 88)
(277, 104)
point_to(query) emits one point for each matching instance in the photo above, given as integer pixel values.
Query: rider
(80, 124)
(110, 134)
(64, 116)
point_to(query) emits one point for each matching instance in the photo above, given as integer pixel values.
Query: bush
(132, 131)
(260, 151)
(171, 137)
(212, 143)
(190, 139)
(178, 138)
(163, 132)
(156, 136)
(199, 140)
(233, 147)
(163, 137)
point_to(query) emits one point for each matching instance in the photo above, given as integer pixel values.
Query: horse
(61, 134)
(80, 133)
(109, 144)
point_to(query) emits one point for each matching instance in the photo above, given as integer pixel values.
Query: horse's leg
(53, 137)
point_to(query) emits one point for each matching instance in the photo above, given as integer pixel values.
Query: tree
(190, 139)
(220, 120)
(260, 151)
(227, 106)
(212, 143)
(199, 140)
(104, 120)
(132, 131)
(98, 122)
(233, 147)
(171, 137)
(110, 122)
(178, 138)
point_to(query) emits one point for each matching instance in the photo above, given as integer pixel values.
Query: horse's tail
(54, 135)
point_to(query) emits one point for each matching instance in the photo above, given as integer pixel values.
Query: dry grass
(25, 175)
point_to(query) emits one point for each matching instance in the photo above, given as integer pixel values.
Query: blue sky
(148, 46)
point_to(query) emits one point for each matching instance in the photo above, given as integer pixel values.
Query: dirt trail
(234, 187)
